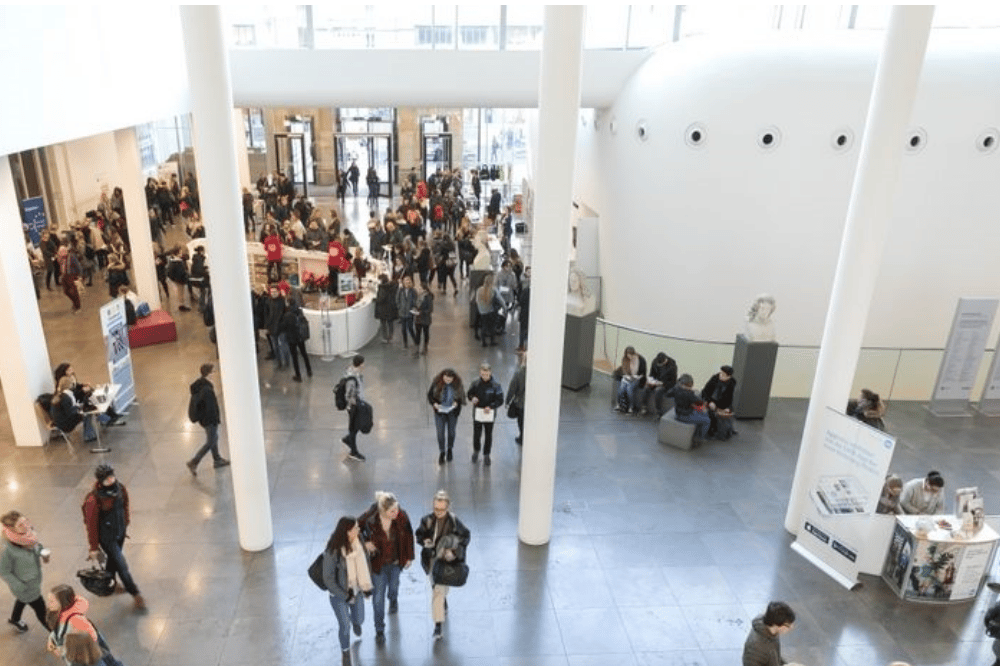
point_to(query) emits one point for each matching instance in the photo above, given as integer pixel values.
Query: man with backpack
(203, 409)
(349, 395)
(106, 517)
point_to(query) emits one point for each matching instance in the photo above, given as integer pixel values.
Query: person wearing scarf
(444, 537)
(347, 576)
(21, 568)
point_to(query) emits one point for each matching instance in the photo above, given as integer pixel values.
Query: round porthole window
(642, 130)
(769, 138)
(916, 140)
(842, 139)
(695, 135)
(988, 140)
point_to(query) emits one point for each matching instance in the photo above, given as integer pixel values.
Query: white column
(242, 160)
(137, 215)
(865, 232)
(212, 113)
(558, 111)
(24, 364)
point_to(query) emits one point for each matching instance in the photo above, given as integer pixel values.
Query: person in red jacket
(106, 517)
(337, 262)
(272, 248)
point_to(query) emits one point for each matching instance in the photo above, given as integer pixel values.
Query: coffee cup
(45, 553)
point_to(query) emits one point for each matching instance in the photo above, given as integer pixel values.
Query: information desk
(335, 332)
(938, 567)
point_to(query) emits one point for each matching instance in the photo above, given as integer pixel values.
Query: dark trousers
(333, 282)
(37, 605)
(406, 324)
(352, 429)
(444, 274)
(69, 288)
(477, 429)
(446, 422)
(116, 564)
(423, 332)
(300, 348)
(211, 444)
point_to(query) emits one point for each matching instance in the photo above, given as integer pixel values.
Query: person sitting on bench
(688, 407)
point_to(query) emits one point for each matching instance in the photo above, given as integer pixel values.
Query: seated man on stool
(662, 377)
(688, 407)
(718, 394)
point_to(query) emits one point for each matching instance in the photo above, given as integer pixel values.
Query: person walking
(446, 395)
(515, 393)
(485, 395)
(21, 568)
(296, 336)
(406, 304)
(71, 271)
(347, 575)
(74, 637)
(354, 391)
(388, 538)
(763, 644)
(385, 307)
(442, 537)
(422, 318)
(106, 517)
(204, 410)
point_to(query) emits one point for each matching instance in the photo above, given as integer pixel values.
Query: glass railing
(900, 374)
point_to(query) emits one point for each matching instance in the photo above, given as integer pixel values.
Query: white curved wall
(713, 226)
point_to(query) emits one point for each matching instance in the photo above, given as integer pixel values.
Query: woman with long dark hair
(347, 576)
(446, 395)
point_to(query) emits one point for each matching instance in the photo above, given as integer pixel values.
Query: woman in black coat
(385, 307)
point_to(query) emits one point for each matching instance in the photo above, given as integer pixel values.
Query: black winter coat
(208, 410)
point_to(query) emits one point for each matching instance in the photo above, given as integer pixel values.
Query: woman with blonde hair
(442, 537)
(488, 302)
(388, 538)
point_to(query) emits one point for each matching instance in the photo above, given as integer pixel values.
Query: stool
(673, 432)
(156, 328)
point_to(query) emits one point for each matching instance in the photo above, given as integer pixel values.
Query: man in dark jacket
(763, 644)
(204, 410)
(718, 396)
(486, 395)
(106, 517)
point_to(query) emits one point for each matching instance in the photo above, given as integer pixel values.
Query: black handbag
(513, 411)
(316, 572)
(452, 574)
(97, 581)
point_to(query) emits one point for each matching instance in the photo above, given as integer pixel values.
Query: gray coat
(21, 569)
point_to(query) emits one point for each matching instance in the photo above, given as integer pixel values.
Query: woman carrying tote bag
(444, 539)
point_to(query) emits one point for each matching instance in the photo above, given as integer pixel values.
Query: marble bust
(580, 300)
(759, 326)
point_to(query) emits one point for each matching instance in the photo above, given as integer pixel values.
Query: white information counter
(939, 567)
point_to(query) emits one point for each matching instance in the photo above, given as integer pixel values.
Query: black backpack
(302, 324)
(340, 392)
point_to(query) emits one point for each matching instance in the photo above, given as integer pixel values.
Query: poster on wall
(33, 218)
(843, 493)
(989, 401)
(962, 356)
(119, 355)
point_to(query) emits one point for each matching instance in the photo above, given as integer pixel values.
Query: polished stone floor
(658, 557)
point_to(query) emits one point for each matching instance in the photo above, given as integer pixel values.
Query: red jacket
(272, 246)
(336, 257)
(92, 508)
(371, 530)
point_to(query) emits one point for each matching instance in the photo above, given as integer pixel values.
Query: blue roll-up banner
(33, 218)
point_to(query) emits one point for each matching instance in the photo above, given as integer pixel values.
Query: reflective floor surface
(658, 557)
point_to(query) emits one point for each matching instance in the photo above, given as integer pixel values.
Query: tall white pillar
(865, 232)
(24, 364)
(218, 186)
(137, 217)
(558, 111)
(242, 159)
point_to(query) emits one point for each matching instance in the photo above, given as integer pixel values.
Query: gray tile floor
(658, 556)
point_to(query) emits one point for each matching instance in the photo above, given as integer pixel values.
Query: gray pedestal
(753, 367)
(578, 351)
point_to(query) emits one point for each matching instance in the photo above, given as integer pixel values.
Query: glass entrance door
(365, 150)
(290, 151)
(436, 152)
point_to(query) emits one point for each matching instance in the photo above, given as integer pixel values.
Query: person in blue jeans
(388, 538)
(446, 396)
(204, 410)
(347, 575)
(687, 404)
